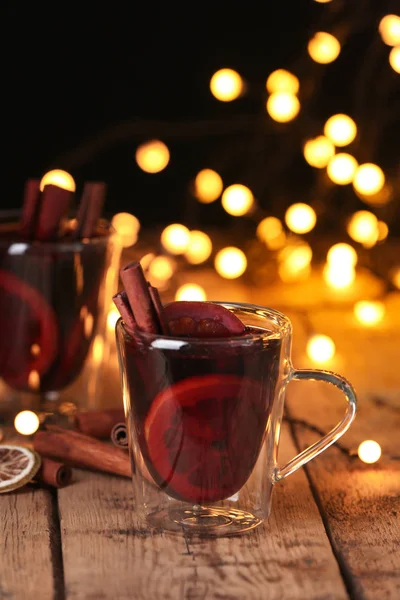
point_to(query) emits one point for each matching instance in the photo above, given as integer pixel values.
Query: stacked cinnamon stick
(83, 447)
(44, 212)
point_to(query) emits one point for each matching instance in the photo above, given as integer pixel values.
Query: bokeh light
(152, 156)
(226, 85)
(294, 262)
(283, 106)
(112, 318)
(161, 268)
(337, 276)
(300, 218)
(230, 262)
(323, 47)
(369, 451)
(34, 380)
(59, 178)
(237, 200)
(342, 168)
(342, 255)
(282, 81)
(191, 291)
(208, 186)
(26, 422)
(323, 1)
(199, 248)
(369, 312)
(269, 229)
(175, 238)
(340, 129)
(395, 277)
(320, 348)
(127, 227)
(363, 227)
(394, 59)
(383, 231)
(318, 151)
(389, 28)
(98, 349)
(369, 179)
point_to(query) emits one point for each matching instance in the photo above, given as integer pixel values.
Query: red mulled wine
(200, 408)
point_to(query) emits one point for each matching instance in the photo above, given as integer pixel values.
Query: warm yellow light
(300, 218)
(200, 247)
(341, 168)
(175, 238)
(320, 348)
(368, 312)
(323, 1)
(340, 129)
(395, 277)
(283, 106)
(268, 229)
(161, 268)
(146, 260)
(339, 277)
(324, 48)
(277, 242)
(26, 422)
(192, 292)
(35, 349)
(342, 255)
(230, 262)
(208, 186)
(98, 349)
(363, 227)
(394, 59)
(152, 156)
(226, 85)
(369, 451)
(34, 380)
(59, 178)
(389, 28)
(112, 318)
(318, 151)
(369, 179)
(237, 200)
(88, 325)
(127, 227)
(383, 231)
(295, 262)
(282, 81)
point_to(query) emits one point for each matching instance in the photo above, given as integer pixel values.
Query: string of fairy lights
(282, 238)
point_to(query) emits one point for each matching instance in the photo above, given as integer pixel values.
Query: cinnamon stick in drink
(90, 208)
(53, 209)
(54, 473)
(98, 423)
(137, 291)
(30, 207)
(158, 307)
(76, 449)
(121, 302)
(119, 436)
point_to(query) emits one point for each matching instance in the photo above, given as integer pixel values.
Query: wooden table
(334, 532)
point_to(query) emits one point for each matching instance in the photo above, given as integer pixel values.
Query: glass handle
(330, 438)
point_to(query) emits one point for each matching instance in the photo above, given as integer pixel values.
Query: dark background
(73, 71)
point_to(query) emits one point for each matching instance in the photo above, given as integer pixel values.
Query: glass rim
(284, 327)
(61, 245)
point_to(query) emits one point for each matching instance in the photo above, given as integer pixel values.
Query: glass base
(204, 521)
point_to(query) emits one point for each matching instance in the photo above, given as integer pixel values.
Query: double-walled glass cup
(204, 417)
(54, 301)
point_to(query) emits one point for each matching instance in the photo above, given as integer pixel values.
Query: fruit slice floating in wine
(29, 331)
(202, 319)
(18, 466)
(203, 436)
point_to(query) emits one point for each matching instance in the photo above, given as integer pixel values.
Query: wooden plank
(104, 557)
(30, 558)
(359, 503)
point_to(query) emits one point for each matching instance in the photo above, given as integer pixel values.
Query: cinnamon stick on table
(80, 450)
(98, 423)
(119, 436)
(54, 473)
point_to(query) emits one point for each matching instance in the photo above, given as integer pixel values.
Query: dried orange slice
(18, 466)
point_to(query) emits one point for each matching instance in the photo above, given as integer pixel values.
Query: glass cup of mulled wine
(204, 408)
(55, 294)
